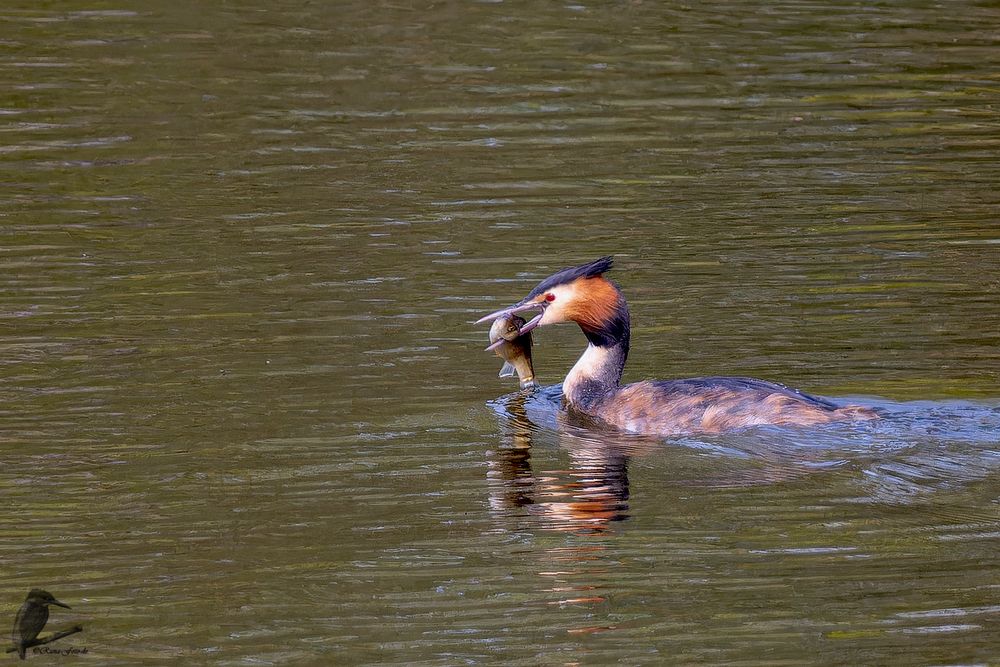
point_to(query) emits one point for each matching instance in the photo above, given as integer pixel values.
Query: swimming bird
(31, 618)
(582, 294)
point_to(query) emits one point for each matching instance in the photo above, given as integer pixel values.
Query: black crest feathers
(566, 276)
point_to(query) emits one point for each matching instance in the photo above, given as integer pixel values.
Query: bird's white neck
(595, 375)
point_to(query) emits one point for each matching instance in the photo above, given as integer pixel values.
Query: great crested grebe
(583, 295)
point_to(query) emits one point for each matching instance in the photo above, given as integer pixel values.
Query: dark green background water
(244, 415)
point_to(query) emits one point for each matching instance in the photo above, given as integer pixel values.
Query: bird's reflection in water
(590, 497)
(585, 498)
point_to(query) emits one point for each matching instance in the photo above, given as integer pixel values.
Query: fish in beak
(511, 312)
(514, 348)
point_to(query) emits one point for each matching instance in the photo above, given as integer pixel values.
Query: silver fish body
(514, 348)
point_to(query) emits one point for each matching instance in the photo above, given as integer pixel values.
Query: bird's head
(578, 294)
(38, 596)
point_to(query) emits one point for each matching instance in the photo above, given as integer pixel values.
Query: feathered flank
(566, 276)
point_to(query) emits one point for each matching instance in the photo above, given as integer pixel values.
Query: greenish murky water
(245, 417)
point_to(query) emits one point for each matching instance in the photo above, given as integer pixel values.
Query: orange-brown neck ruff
(600, 310)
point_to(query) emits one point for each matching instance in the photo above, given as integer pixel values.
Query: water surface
(245, 417)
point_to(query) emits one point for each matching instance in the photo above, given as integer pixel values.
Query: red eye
(550, 297)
